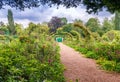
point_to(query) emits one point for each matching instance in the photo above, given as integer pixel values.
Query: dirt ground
(81, 69)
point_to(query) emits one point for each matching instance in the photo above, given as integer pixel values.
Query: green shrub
(82, 50)
(117, 67)
(91, 54)
(106, 50)
(33, 61)
(111, 35)
(107, 65)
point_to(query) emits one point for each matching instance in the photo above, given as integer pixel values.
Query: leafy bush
(111, 35)
(91, 54)
(30, 61)
(82, 50)
(107, 65)
(117, 67)
(107, 53)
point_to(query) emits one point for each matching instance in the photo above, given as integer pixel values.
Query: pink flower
(49, 61)
(117, 52)
(96, 49)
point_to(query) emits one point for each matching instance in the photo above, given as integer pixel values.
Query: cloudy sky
(45, 13)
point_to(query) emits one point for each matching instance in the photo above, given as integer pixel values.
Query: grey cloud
(44, 13)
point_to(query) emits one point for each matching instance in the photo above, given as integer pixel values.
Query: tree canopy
(93, 24)
(91, 5)
(56, 23)
(98, 5)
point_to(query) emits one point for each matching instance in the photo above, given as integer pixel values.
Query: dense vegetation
(95, 40)
(32, 55)
(29, 55)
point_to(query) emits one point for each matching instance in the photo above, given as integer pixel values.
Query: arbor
(87, 33)
(91, 5)
(11, 26)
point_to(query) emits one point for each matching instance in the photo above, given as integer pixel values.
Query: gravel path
(83, 69)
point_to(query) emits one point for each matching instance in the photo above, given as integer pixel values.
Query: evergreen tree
(117, 20)
(11, 26)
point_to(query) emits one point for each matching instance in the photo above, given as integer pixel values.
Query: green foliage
(82, 50)
(111, 36)
(65, 32)
(3, 29)
(117, 20)
(91, 54)
(93, 24)
(56, 23)
(32, 56)
(96, 36)
(11, 26)
(27, 61)
(87, 32)
(98, 5)
(19, 29)
(31, 28)
(67, 28)
(64, 20)
(106, 52)
(117, 67)
(78, 20)
(107, 65)
(75, 34)
(107, 25)
(37, 29)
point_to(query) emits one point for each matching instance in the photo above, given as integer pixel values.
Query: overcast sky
(45, 13)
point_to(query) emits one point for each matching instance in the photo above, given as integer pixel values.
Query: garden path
(77, 67)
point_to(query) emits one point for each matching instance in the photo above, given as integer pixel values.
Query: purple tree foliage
(55, 23)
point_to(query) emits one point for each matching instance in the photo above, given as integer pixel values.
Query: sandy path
(83, 69)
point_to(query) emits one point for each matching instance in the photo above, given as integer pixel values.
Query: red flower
(49, 61)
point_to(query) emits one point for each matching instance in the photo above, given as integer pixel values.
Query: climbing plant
(87, 33)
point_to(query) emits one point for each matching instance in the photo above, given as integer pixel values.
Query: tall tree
(91, 5)
(3, 28)
(11, 26)
(31, 27)
(64, 20)
(19, 29)
(1, 23)
(107, 25)
(117, 20)
(98, 5)
(55, 23)
(93, 24)
(78, 20)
